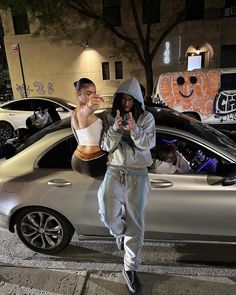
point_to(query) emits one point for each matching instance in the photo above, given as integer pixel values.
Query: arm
(144, 137)
(111, 134)
(92, 104)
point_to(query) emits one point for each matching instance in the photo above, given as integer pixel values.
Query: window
(195, 61)
(45, 104)
(23, 105)
(105, 71)
(195, 10)
(228, 56)
(228, 81)
(151, 11)
(229, 3)
(119, 70)
(20, 22)
(178, 155)
(60, 155)
(111, 11)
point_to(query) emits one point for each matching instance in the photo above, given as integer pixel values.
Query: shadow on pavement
(206, 253)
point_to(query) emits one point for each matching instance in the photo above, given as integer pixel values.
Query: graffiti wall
(190, 91)
(35, 89)
(225, 106)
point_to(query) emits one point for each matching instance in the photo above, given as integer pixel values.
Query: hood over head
(132, 87)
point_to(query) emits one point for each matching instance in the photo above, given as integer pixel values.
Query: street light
(197, 50)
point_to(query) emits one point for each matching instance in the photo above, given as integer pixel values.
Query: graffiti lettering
(50, 88)
(225, 105)
(21, 90)
(39, 88)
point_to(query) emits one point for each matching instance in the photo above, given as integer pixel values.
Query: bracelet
(91, 107)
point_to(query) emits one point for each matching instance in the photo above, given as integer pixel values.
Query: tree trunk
(149, 80)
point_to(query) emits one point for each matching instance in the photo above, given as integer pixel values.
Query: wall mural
(192, 91)
(225, 105)
(210, 93)
(38, 87)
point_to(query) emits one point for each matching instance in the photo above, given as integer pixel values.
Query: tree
(145, 41)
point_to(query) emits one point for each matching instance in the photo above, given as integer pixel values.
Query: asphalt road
(159, 258)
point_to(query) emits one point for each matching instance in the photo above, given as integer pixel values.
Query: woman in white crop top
(88, 158)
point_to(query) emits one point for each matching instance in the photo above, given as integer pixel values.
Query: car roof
(59, 100)
(164, 117)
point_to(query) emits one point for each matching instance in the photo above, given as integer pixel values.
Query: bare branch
(137, 22)
(169, 28)
(148, 32)
(91, 14)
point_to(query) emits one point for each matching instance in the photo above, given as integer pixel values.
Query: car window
(45, 104)
(21, 105)
(59, 157)
(171, 118)
(173, 155)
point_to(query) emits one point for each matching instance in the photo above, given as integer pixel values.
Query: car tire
(43, 230)
(6, 131)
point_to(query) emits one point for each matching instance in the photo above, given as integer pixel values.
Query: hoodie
(117, 142)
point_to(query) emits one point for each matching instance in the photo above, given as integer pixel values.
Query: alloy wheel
(42, 230)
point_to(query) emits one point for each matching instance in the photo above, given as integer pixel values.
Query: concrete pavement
(36, 281)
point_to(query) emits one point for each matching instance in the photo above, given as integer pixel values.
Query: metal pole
(22, 71)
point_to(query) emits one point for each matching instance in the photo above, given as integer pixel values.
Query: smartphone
(125, 119)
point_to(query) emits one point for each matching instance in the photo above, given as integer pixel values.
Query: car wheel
(43, 230)
(6, 131)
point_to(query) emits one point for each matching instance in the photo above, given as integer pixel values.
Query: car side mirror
(229, 174)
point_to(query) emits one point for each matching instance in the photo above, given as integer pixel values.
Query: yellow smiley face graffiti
(190, 91)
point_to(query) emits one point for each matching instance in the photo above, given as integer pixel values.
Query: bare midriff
(89, 149)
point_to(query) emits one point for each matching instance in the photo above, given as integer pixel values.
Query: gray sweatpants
(129, 188)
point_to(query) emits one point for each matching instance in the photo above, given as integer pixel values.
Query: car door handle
(160, 183)
(11, 114)
(59, 182)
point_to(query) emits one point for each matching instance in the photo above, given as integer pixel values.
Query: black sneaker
(120, 243)
(131, 280)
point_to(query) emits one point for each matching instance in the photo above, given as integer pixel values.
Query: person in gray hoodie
(128, 136)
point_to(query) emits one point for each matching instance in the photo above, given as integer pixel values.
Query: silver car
(44, 201)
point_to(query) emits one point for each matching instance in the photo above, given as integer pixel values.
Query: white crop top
(90, 135)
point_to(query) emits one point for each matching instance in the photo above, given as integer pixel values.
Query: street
(168, 258)
(181, 263)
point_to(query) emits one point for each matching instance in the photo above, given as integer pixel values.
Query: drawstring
(123, 173)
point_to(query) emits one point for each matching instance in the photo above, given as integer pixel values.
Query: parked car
(45, 201)
(13, 114)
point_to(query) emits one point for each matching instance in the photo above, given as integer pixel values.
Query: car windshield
(171, 118)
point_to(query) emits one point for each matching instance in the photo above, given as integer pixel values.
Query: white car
(13, 114)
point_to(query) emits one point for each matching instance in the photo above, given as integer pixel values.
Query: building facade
(204, 39)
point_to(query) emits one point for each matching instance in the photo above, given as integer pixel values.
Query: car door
(68, 192)
(17, 112)
(191, 204)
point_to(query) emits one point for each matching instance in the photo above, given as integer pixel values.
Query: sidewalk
(35, 281)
